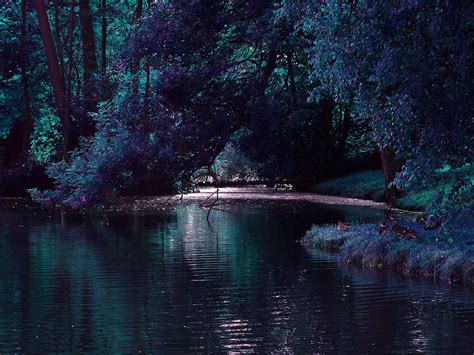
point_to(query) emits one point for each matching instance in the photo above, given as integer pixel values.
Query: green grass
(415, 201)
(419, 200)
(369, 185)
(438, 257)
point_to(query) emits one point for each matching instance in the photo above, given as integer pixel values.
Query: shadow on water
(171, 283)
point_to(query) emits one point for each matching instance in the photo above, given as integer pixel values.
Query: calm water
(173, 283)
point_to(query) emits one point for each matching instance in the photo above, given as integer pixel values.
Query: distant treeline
(103, 98)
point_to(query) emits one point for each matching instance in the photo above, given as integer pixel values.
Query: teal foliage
(205, 85)
(406, 67)
(449, 194)
(9, 102)
(114, 159)
(85, 181)
(293, 89)
(10, 84)
(46, 139)
(233, 166)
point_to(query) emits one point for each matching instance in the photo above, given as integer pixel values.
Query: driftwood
(203, 204)
(210, 205)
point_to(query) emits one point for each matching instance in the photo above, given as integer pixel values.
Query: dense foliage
(407, 67)
(147, 98)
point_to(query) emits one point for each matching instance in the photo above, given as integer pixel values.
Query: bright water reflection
(172, 283)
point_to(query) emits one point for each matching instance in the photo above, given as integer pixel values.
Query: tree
(17, 143)
(103, 49)
(56, 78)
(213, 62)
(407, 67)
(89, 59)
(297, 87)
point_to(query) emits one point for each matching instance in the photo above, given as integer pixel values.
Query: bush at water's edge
(449, 258)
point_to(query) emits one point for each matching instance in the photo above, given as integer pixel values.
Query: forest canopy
(104, 98)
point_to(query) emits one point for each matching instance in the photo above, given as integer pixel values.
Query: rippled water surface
(174, 283)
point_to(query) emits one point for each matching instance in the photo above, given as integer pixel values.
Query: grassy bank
(449, 258)
(370, 185)
(367, 185)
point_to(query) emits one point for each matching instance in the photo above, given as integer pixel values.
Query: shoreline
(207, 196)
(432, 256)
(254, 194)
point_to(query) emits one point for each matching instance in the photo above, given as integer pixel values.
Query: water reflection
(173, 283)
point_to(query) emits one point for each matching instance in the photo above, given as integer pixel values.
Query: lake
(174, 282)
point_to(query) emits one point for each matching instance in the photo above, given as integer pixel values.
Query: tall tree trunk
(147, 86)
(103, 62)
(28, 119)
(136, 17)
(88, 56)
(390, 166)
(136, 61)
(57, 37)
(147, 93)
(70, 55)
(344, 134)
(138, 10)
(291, 76)
(326, 125)
(269, 67)
(53, 66)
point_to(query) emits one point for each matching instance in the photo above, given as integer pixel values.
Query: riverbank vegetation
(370, 184)
(103, 99)
(440, 257)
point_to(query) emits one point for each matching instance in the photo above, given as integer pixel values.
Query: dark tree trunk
(53, 66)
(135, 65)
(269, 67)
(138, 10)
(69, 52)
(28, 117)
(291, 76)
(57, 37)
(344, 134)
(147, 93)
(136, 17)
(146, 101)
(325, 142)
(103, 62)
(390, 166)
(71, 66)
(88, 57)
